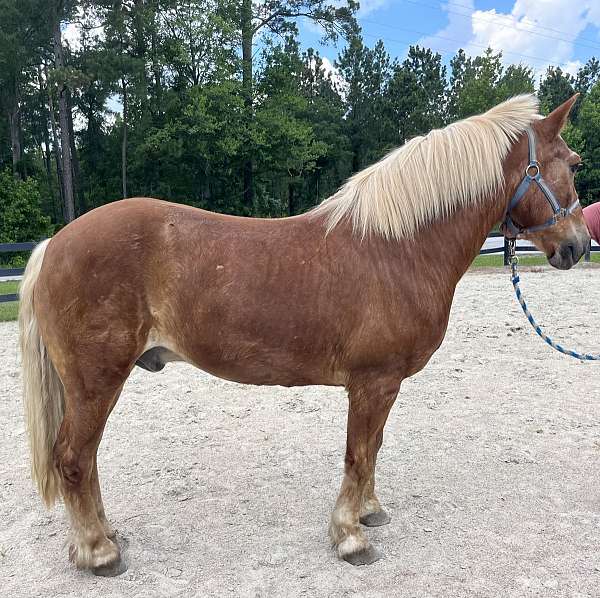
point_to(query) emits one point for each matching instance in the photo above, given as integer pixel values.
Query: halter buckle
(512, 252)
(536, 166)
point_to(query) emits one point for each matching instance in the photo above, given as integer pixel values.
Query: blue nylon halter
(511, 231)
(533, 174)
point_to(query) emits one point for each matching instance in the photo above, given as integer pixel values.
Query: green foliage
(417, 93)
(21, 218)
(367, 73)
(478, 84)
(588, 145)
(197, 117)
(556, 88)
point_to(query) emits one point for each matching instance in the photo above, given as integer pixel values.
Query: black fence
(528, 248)
(13, 248)
(17, 247)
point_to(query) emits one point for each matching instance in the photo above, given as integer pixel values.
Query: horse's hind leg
(371, 512)
(370, 401)
(86, 411)
(108, 528)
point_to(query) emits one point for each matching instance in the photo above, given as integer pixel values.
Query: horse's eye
(576, 167)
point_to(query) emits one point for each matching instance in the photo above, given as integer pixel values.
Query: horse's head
(545, 208)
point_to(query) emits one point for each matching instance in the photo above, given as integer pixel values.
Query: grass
(8, 311)
(496, 260)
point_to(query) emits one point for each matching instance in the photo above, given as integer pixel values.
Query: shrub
(21, 218)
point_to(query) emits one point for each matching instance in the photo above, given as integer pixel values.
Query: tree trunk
(206, 196)
(77, 190)
(156, 73)
(124, 144)
(55, 146)
(15, 140)
(59, 62)
(14, 123)
(48, 167)
(247, 34)
(291, 200)
(46, 138)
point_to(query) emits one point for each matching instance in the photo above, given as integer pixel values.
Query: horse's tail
(43, 393)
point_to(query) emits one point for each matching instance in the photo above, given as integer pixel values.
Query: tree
(417, 92)
(21, 217)
(58, 11)
(157, 100)
(587, 76)
(517, 79)
(288, 148)
(367, 73)
(325, 111)
(587, 137)
(278, 17)
(22, 29)
(555, 89)
(474, 83)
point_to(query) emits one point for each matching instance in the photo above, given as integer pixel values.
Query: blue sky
(533, 32)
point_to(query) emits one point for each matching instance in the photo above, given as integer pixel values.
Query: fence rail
(13, 248)
(528, 248)
(17, 247)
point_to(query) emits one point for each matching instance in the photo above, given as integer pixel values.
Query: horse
(354, 293)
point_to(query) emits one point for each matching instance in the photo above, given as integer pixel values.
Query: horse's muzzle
(568, 253)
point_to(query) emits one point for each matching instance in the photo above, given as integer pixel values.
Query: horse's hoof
(366, 556)
(375, 519)
(111, 570)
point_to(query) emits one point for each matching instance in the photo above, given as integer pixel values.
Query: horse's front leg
(370, 402)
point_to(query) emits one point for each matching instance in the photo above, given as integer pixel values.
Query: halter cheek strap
(533, 174)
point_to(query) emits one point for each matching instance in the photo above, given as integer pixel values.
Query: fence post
(588, 252)
(506, 262)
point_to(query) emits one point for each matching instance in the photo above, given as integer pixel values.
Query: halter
(533, 174)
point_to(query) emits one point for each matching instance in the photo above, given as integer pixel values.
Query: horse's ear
(554, 123)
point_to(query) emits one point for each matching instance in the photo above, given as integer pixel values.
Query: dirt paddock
(490, 469)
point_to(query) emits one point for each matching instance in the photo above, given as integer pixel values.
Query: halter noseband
(533, 174)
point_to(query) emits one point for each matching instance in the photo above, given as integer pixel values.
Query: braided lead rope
(515, 281)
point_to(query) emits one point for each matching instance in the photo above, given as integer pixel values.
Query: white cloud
(329, 69)
(572, 67)
(369, 6)
(71, 34)
(328, 66)
(537, 33)
(459, 27)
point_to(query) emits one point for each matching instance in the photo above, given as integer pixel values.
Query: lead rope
(514, 260)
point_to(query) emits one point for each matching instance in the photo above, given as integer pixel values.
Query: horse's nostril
(569, 251)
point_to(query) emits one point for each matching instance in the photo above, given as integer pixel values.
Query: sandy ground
(490, 469)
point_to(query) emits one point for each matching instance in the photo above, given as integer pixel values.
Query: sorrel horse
(355, 293)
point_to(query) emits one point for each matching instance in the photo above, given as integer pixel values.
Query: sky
(538, 33)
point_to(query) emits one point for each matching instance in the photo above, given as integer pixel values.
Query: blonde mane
(430, 177)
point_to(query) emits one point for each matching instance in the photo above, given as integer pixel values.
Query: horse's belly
(245, 362)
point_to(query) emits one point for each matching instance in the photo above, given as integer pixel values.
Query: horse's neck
(447, 247)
